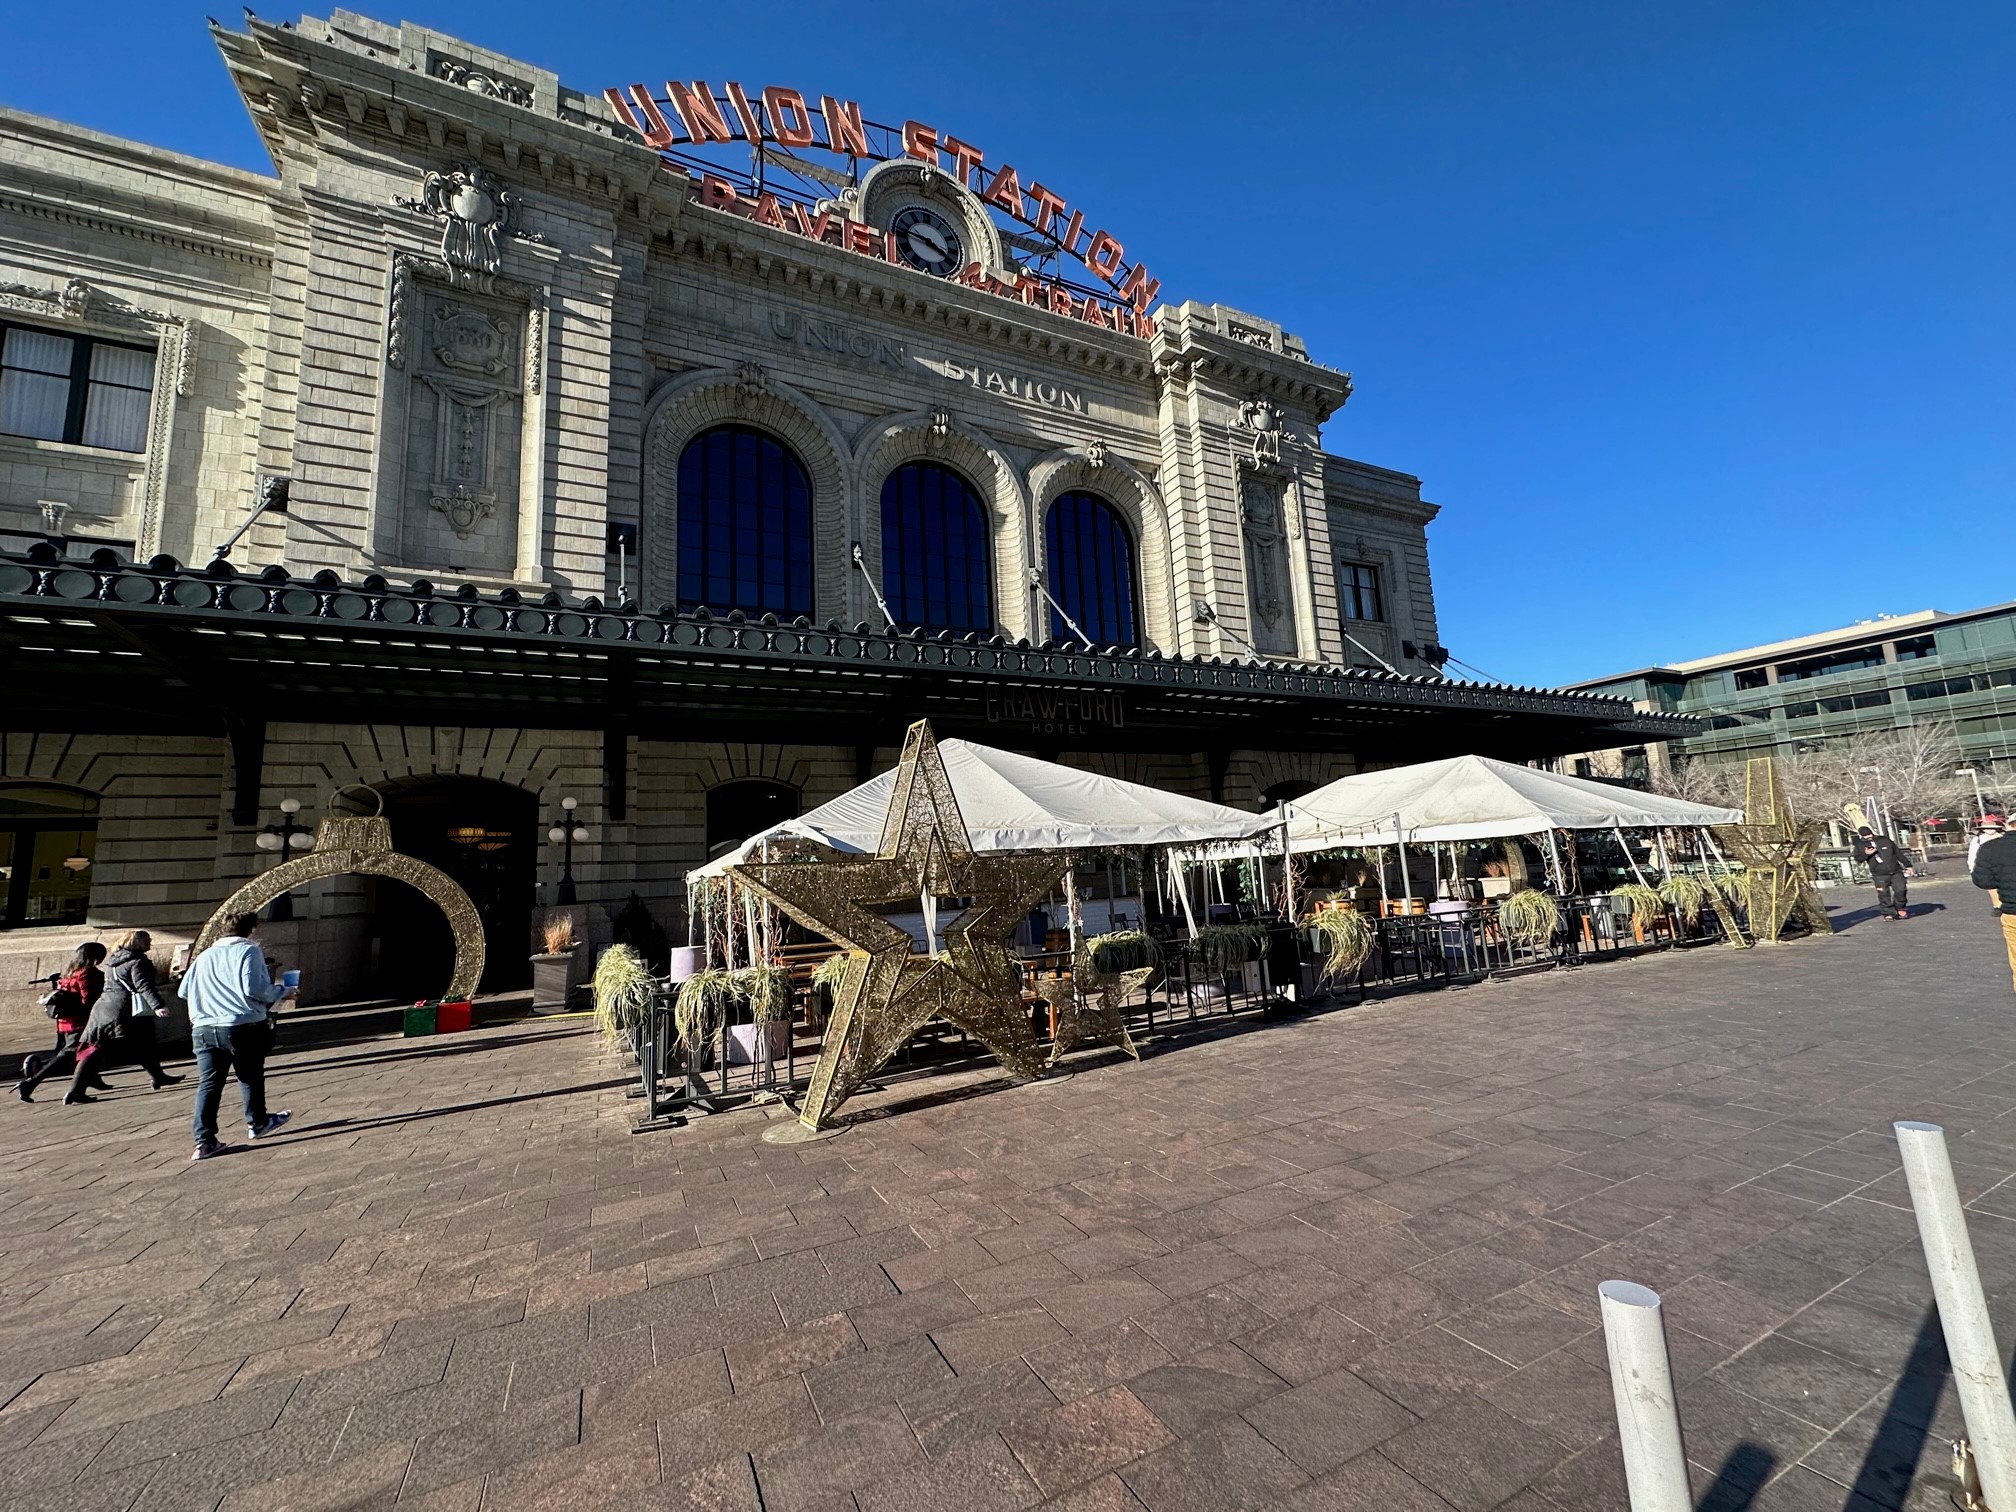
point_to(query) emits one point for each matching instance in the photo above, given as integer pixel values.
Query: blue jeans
(219, 1051)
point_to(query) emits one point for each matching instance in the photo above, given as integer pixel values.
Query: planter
(758, 1044)
(550, 975)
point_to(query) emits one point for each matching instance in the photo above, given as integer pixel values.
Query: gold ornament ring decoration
(363, 847)
(887, 991)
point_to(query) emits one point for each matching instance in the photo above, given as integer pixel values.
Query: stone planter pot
(550, 975)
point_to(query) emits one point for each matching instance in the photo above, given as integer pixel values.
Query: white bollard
(1641, 1381)
(1963, 1308)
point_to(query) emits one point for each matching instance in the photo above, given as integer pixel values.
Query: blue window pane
(935, 553)
(745, 525)
(1091, 557)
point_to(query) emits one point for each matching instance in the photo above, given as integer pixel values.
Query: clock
(926, 241)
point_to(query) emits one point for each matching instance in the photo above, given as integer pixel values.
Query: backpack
(66, 999)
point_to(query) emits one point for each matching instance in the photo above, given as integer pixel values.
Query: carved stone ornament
(750, 381)
(399, 314)
(470, 341)
(491, 86)
(940, 429)
(1260, 416)
(74, 300)
(476, 213)
(1095, 454)
(1260, 513)
(465, 508)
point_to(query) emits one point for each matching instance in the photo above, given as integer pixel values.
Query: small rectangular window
(1752, 677)
(77, 389)
(1358, 591)
(1917, 648)
(1801, 710)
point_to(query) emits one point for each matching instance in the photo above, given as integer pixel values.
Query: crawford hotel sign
(903, 209)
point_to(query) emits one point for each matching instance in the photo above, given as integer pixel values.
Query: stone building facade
(468, 338)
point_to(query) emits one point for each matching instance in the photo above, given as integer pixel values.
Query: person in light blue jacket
(230, 996)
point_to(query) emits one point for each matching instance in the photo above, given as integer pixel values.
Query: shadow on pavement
(1736, 1484)
(423, 1051)
(334, 1126)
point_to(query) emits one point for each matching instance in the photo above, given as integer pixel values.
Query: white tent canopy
(1012, 802)
(1477, 798)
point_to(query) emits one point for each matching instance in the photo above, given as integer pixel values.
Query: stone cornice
(291, 81)
(1184, 350)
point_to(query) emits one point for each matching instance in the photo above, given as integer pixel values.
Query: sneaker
(271, 1126)
(210, 1147)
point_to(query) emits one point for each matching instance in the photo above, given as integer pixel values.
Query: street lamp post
(284, 837)
(1882, 814)
(1980, 803)
(567, 832)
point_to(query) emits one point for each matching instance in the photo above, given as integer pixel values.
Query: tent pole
(1400, 844)
(1287, 868)
(1665, 862)
(1712, 849)
(1554, 855)
(1182, 894)
(728, 921)
(1630, 860)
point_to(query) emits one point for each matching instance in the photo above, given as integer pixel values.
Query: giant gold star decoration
(888, 992)
(1097, 1007)
(1776, 849)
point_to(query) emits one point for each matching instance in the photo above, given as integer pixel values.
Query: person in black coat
(1995, 867)
(122, 1020)
(1886, 861)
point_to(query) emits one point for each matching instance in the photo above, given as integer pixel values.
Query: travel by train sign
(777, 123)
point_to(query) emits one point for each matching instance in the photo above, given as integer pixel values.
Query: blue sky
(1696, 320)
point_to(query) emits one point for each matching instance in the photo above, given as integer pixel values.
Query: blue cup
(290, 979)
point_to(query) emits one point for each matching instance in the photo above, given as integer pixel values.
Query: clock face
(926, 241)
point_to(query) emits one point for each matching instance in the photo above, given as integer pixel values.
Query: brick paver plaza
(1340, 1261)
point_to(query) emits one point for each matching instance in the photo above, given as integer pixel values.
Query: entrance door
(48, 837)
(482, 834)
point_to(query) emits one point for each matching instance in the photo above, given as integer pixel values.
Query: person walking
(122, 1023)
(230, 995)
(1995, 869)
(76, 994)
(1990, 828)
(1886, 863)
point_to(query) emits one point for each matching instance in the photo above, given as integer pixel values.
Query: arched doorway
(483, 835)
(736, 810)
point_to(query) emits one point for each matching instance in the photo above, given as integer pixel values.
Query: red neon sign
(691, 114)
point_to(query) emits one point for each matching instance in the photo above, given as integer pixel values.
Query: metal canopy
(106, 645)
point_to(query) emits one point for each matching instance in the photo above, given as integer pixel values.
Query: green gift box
(421, 1019)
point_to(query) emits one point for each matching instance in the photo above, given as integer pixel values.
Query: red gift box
(453, 1018)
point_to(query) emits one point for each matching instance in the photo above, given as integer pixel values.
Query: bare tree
(1911, 768)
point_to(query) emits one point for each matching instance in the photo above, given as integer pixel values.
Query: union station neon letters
(692, 114)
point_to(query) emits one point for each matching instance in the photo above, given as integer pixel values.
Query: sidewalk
(1337, 1262)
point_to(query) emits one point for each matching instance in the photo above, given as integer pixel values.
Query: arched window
(737, 810)
(1091, 556)
(48, 839)
(745, 525)
(935, 550)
